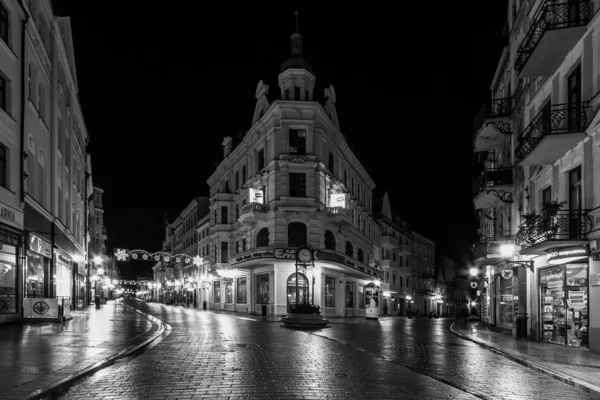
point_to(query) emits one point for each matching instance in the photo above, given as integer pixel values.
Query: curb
(64, 382)
(569, 380)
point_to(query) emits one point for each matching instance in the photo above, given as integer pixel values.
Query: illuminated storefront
(563, 294)
(11, 226)
(38, 273)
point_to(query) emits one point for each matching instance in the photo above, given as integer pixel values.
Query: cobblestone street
(211, 355)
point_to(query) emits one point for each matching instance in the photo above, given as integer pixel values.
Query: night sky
(161, 86)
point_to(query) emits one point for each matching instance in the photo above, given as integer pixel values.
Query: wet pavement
(227, 355)
(577, 365)
(41, 355)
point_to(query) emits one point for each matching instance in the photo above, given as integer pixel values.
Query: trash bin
(264, 309)
(522, 326)
(204, 304)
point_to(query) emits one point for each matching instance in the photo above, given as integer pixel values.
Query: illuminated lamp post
(97, 286)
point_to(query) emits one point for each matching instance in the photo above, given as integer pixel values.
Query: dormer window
(296, 93)
(297, 141)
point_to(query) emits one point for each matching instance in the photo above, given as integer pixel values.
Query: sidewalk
(575, 366)
(38, 358)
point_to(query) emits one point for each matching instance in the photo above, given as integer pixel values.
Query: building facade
(291, 181)
(423, 277)
(43, 148)
(538, 196)
(396, 244)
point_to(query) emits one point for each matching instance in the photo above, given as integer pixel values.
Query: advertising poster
(372, 303)
(255, 196)
(337, 200)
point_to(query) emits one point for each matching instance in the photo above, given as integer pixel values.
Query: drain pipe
(22, 158)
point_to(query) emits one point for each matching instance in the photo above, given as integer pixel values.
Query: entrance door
(574, 99)
(575, 203)
(303, 297)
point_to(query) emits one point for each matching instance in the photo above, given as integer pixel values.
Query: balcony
(554, 131)
(388, 241)
(493, 186)
(341, 216)
(554, 31)
(554, 229)
(487, 252)
(253, 212)
(492, 123)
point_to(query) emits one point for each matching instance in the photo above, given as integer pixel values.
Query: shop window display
(564, 302)
(35, 275)
(8, 280)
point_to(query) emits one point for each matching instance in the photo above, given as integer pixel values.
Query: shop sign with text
(39, 245)
(11, 216)
(563, 255)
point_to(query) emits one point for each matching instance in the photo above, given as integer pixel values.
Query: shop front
(63, 277)
(505, 298)
(563, 288)
(38, 277)
(9, 276)
(563, 293)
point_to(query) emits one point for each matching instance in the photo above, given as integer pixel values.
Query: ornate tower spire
(296, 39)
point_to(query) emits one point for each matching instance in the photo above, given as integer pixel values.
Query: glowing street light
(473, 271)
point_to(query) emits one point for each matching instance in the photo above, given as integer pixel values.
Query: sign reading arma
(567, 254)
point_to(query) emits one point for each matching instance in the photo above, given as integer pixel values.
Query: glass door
(575, 203)
(574, 99)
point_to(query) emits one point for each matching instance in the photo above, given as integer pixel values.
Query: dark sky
(161, 86)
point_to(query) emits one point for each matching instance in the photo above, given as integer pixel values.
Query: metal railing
(339, 211)
(558, 119)
(493, 109)
(570, 224)
(492, 177)
(552, 15)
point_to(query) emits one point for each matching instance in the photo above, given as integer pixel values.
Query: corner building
(290, 181)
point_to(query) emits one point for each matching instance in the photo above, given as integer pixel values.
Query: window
(30, 82)
(387, 277)
(3, 93)
(3, 166)
(261, 159)
(262, 289)
(297, 185)
(262, 239)
(393, 279)
(349, 249)
(296, 93)
(3, 24)
(297, 234)
(329, 291)
(41, 179)
(331, 163)
(349, 294)
(244, 244)
(329, 240)
(223, 214)
(361, 296)
(40, 103)
(237, 180)
(546, 196)
(297, 141)
(241, 291)
(401, 283)
(217, 292)
(31, 173)
(361, 256)
(224, 252)
(243, 174)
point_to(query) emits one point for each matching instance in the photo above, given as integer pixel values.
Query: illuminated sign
(39, 245)
(567, 254)
(337, 200)
(255, 196)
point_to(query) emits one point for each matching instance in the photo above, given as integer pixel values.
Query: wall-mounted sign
(506, 273)
(11, 216)
(372, 302)
(337, 200)
(567, 254)
(39, 245)
(255, 196)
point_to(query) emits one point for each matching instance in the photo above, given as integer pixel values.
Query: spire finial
(296, 13)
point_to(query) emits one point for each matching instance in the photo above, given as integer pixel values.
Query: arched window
(303, 290)
(262, 239)
(297, 234)
(329, 240)
(360, 256)
(349, 249)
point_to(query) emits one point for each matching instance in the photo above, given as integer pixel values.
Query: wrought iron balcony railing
(552, 15)
(570, 224)
(494, 109)
(558, 119)
(492, 177)
(339, 211)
